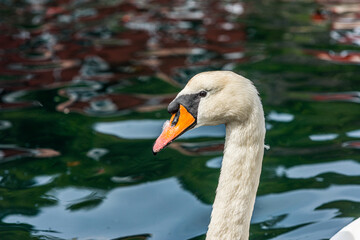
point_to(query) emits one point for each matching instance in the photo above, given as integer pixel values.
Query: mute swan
(224, 97)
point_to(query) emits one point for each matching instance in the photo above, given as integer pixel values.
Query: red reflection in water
(199, 148)
(347, 96)
(343, 17)
(10, 153)
(341, 57)
(131, 38)
(352, 144)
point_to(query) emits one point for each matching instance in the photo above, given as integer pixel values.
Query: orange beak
(179, 123)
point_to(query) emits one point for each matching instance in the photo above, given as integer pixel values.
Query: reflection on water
(214, 162)
(344, 167)
(295, 208)
(323, 137)
(42, 180)
(151, 129)
(161, 208)
(12, 152)
(354, 134)
(84, 87)
(318, 230)
(280, 117)
(97, 153)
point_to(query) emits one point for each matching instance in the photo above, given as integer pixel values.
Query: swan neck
(239, 179)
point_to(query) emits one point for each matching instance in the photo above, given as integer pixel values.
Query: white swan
(223, 97)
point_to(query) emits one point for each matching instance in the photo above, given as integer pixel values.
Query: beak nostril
(176, 118)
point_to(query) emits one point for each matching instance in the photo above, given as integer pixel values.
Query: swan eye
(202, 93)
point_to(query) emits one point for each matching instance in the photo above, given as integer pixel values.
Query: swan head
(209, 98)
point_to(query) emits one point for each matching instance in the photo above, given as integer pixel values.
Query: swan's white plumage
(349, 232)
(233, 100)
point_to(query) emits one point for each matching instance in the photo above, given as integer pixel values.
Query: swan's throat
(238, 181)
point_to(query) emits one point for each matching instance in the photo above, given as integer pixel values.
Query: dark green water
(84, 87)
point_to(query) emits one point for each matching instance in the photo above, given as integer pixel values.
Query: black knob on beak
(173, 106)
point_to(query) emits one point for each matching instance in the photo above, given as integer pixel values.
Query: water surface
(84, 88)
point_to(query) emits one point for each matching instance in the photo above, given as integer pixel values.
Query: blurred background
(84, 87)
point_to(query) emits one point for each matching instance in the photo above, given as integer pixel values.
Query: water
(84, 89)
